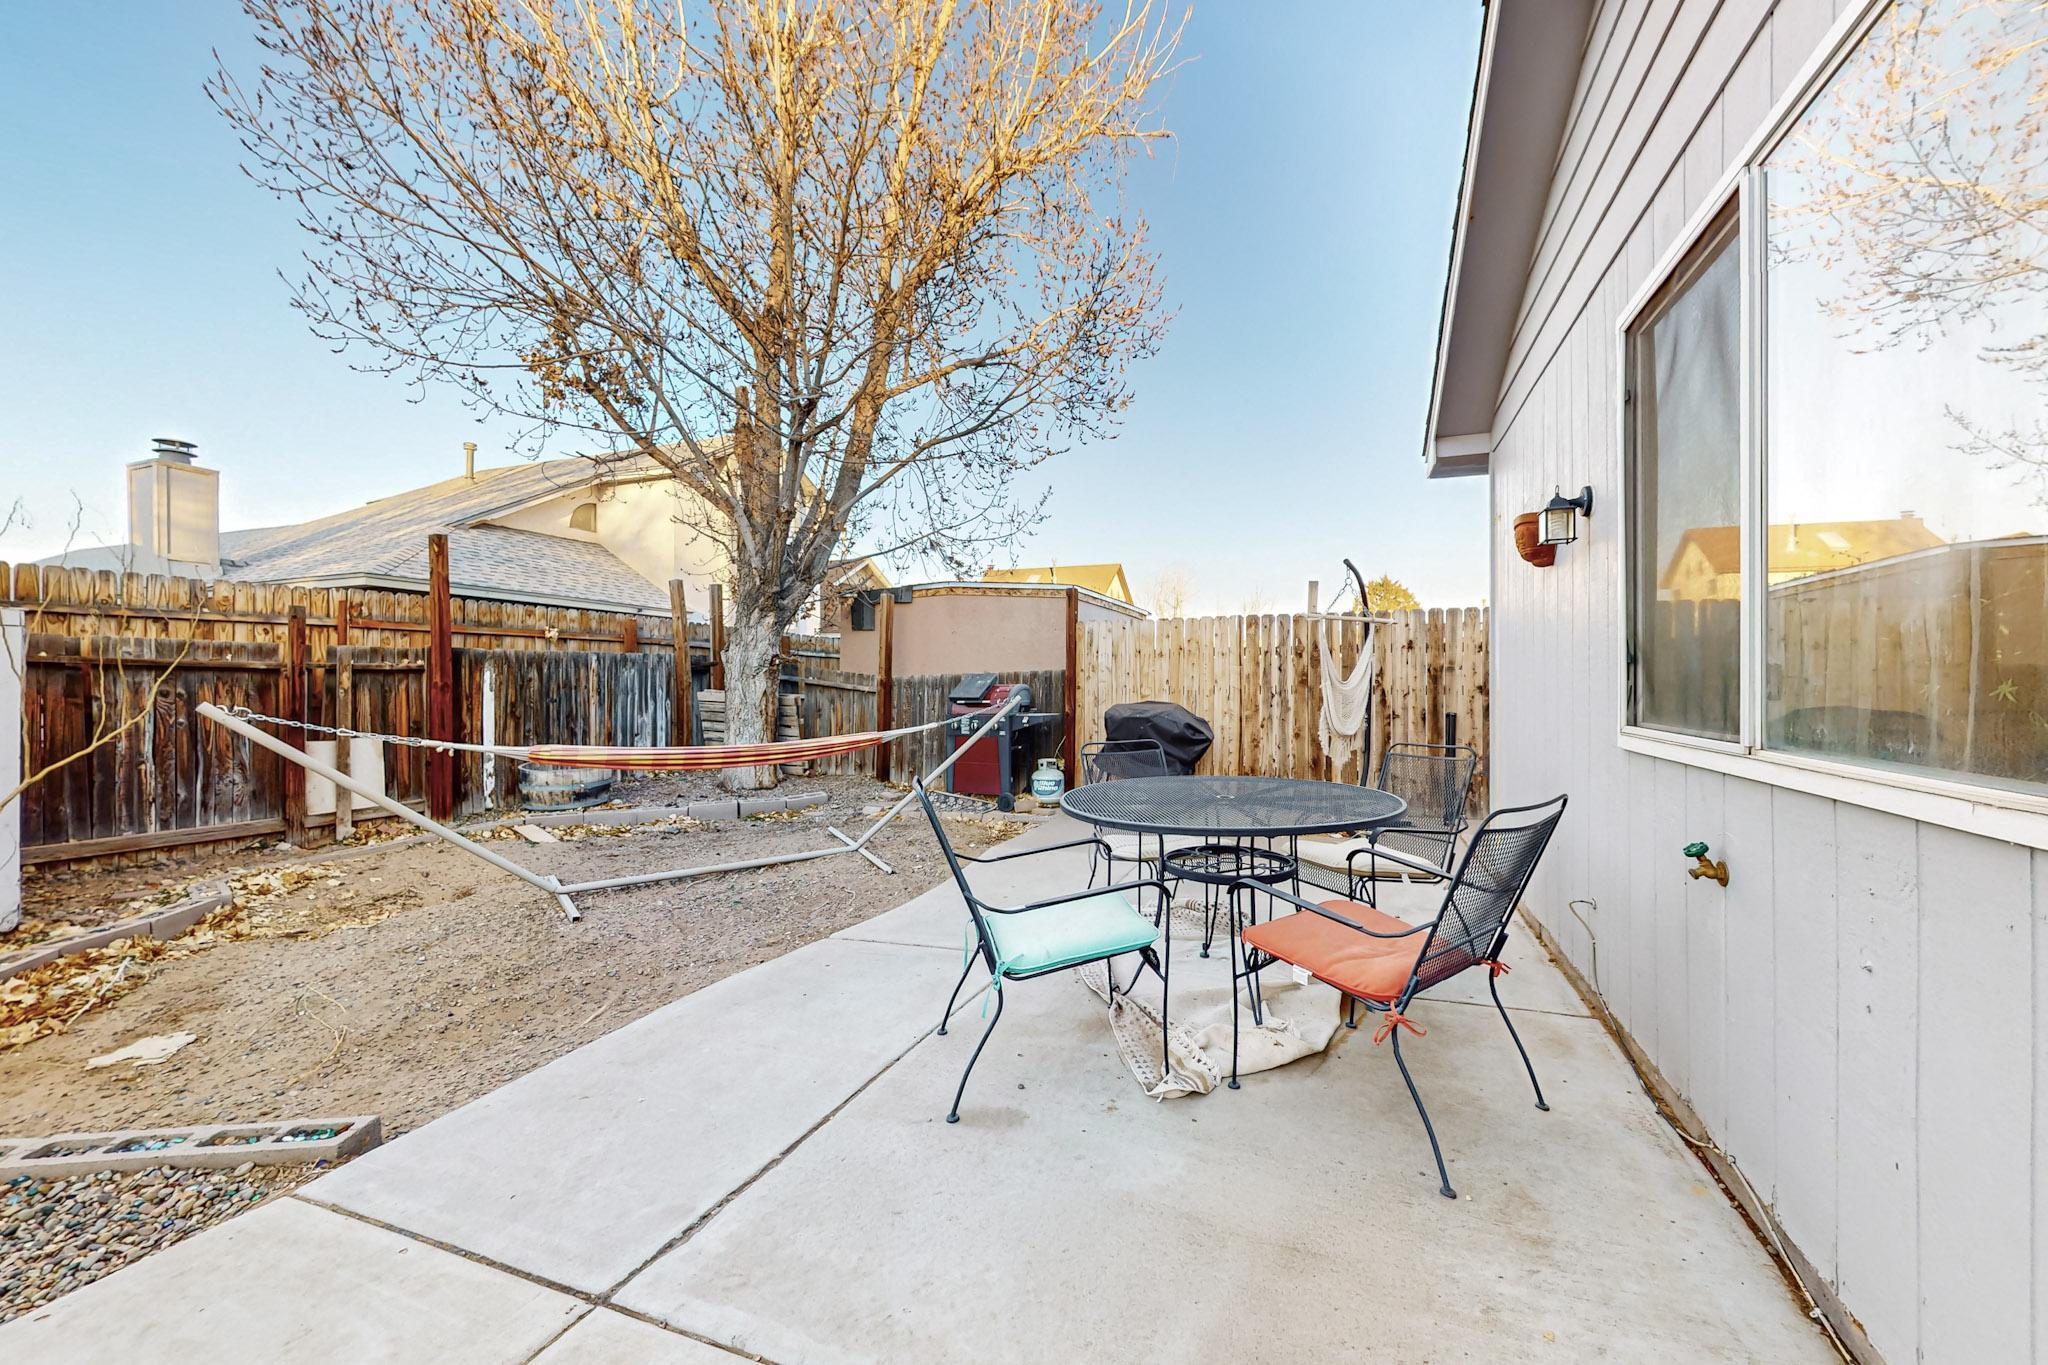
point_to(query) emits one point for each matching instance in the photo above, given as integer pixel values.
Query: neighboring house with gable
(605, 535)
(1106, 579)
(1706, 564)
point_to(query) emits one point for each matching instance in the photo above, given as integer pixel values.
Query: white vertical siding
(1877, 880)
(1859, 1018)
(1976, 1106)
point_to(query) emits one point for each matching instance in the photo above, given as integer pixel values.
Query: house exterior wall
(955, 631)
(639, 521)
(1859, 1017)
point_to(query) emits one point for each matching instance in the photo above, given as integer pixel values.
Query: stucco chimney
(173, 512)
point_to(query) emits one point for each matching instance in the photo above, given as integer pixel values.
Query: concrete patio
(761, 1170)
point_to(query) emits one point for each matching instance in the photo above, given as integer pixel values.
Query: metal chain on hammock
(339, 731)
(453, 746)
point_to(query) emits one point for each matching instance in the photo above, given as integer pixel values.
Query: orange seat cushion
(1357, 964)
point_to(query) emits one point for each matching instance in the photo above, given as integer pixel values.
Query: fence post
(343, 659)
(440, 680)
(344, 621)
(629, 636)
(1070, 704)
(718, 638)
(13, 686)
(683, 722)
(292, 696)
(885, 678)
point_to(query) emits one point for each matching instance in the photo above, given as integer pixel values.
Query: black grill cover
(1184, 735)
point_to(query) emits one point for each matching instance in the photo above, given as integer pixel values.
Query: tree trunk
(751, 669)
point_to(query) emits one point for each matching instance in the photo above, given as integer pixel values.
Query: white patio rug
(1300, 1018)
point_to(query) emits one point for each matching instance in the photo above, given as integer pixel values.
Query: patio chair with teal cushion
(1385, 963)
(1018, 942)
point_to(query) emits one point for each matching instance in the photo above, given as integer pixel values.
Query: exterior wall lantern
(1561, 516)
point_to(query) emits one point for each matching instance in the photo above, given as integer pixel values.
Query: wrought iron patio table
(1244, 811)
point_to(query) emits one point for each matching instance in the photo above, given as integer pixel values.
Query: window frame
(1663, 285)
(1955, 802)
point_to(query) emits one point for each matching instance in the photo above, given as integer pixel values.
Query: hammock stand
(554, 886)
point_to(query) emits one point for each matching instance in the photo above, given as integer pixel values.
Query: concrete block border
(166, 923)
(295, 1142)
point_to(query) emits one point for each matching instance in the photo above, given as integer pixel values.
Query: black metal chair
(1386, 963)
(1112, 760)
(1436, 782)
(1019, 942)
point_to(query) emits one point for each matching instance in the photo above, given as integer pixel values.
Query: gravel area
(402, 980)
(57, 1235)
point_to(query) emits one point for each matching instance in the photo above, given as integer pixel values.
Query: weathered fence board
(1257, 680)
(83, 603)
(571, 698)
(149, 770)
(923, 698)
(837, 703)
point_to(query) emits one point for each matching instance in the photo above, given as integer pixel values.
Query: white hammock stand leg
(553, 886)
(407, 813)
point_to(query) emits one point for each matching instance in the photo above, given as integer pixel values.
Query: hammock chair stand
(564, 892)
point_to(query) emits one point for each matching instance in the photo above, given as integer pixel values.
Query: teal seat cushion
(1062, 935)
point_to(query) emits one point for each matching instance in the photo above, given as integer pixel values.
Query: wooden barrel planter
(543, 789)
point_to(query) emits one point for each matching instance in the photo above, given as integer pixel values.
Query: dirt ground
(405, 981)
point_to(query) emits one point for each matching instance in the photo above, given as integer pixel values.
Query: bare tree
(1920, 182)
(1169, 594)
(876, 241)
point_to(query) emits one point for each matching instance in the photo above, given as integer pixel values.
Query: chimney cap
(169, 448)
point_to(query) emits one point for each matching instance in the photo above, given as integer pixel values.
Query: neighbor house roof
(385, 541)
(859, 571)
(1806, 546)
(1107, 579)
(1529, 58)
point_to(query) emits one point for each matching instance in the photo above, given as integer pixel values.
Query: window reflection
(1685, 491)
(1906, 378)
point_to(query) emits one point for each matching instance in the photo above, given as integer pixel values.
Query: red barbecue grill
(995, 765)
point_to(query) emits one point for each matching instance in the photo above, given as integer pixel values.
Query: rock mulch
(56, 1235)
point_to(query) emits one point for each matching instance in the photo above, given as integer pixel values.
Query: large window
(1906, 298)
(1898, 551)
(1685, 488)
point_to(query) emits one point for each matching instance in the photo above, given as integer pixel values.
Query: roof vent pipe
(469, 460)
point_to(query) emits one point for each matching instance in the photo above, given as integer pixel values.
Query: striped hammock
(698, 758)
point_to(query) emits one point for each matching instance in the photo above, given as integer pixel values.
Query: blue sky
(1303, 217)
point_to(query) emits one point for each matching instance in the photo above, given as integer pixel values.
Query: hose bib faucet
(1707, 867)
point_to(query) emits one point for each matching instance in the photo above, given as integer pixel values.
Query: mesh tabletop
(1232, 807)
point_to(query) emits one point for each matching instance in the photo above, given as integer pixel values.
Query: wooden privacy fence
(149, 784)
(837, 703)
(85, 603)
(509, 697)
(1257, 680)
(118, 663)
(922, 698)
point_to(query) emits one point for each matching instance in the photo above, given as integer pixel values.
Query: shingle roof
(388, 538)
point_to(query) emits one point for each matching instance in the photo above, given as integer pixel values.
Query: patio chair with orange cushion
(1384, 963)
